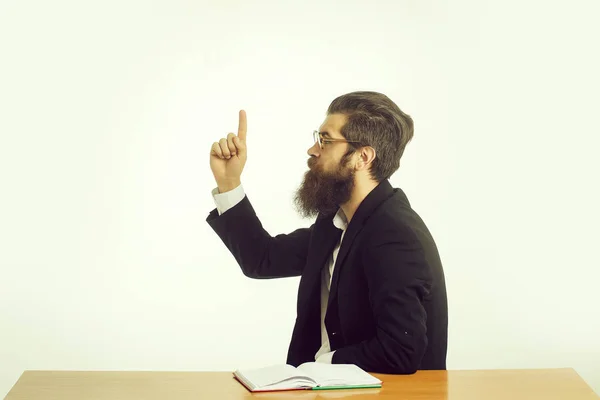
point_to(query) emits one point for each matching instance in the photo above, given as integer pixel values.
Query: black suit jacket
(387, 309)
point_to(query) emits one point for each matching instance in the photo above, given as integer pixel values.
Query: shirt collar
(340, 221)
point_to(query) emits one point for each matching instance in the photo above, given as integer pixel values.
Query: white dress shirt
(225, 201)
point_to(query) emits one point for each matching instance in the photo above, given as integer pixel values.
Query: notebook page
(261, 377)
(338, 374)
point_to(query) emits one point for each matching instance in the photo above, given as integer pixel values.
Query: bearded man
(372, 289)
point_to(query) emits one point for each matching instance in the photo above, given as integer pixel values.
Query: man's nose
(314, 150)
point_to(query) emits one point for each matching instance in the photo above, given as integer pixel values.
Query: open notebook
(309, 375)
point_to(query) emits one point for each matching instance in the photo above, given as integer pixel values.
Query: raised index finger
(243, 125)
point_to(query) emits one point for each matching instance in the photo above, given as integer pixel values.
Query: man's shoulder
(395, 214)
(396, 208)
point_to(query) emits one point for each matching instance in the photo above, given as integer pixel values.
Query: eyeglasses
(318, 138)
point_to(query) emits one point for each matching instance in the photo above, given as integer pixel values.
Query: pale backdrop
(108, 112)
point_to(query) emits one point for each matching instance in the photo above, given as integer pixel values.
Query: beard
(324, 192)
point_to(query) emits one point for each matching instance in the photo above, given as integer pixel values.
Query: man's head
(362, 139)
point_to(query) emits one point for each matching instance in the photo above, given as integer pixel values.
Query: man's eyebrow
(325, 133)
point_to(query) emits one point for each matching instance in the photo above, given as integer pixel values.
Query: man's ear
(366, 155)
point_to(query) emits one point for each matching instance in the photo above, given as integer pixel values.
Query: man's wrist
(227, 186)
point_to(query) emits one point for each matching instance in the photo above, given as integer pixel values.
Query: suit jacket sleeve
(260, 255)
(398, 279)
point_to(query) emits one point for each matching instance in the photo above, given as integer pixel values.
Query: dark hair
(375, 120)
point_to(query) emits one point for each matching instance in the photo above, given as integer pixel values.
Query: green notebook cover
(345, 387)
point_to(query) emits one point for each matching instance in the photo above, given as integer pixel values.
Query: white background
(108, 111)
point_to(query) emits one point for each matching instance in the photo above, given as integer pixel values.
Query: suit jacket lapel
(377, 196)
(324, 239)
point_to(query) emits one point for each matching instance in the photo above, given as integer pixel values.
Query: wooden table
(542, 384)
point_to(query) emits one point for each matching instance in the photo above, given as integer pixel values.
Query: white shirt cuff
(326, 358)
(227, 200)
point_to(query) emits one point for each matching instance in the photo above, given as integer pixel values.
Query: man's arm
(398, 279)
(259, 254)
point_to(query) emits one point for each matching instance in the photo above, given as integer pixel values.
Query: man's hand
(228, 157)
